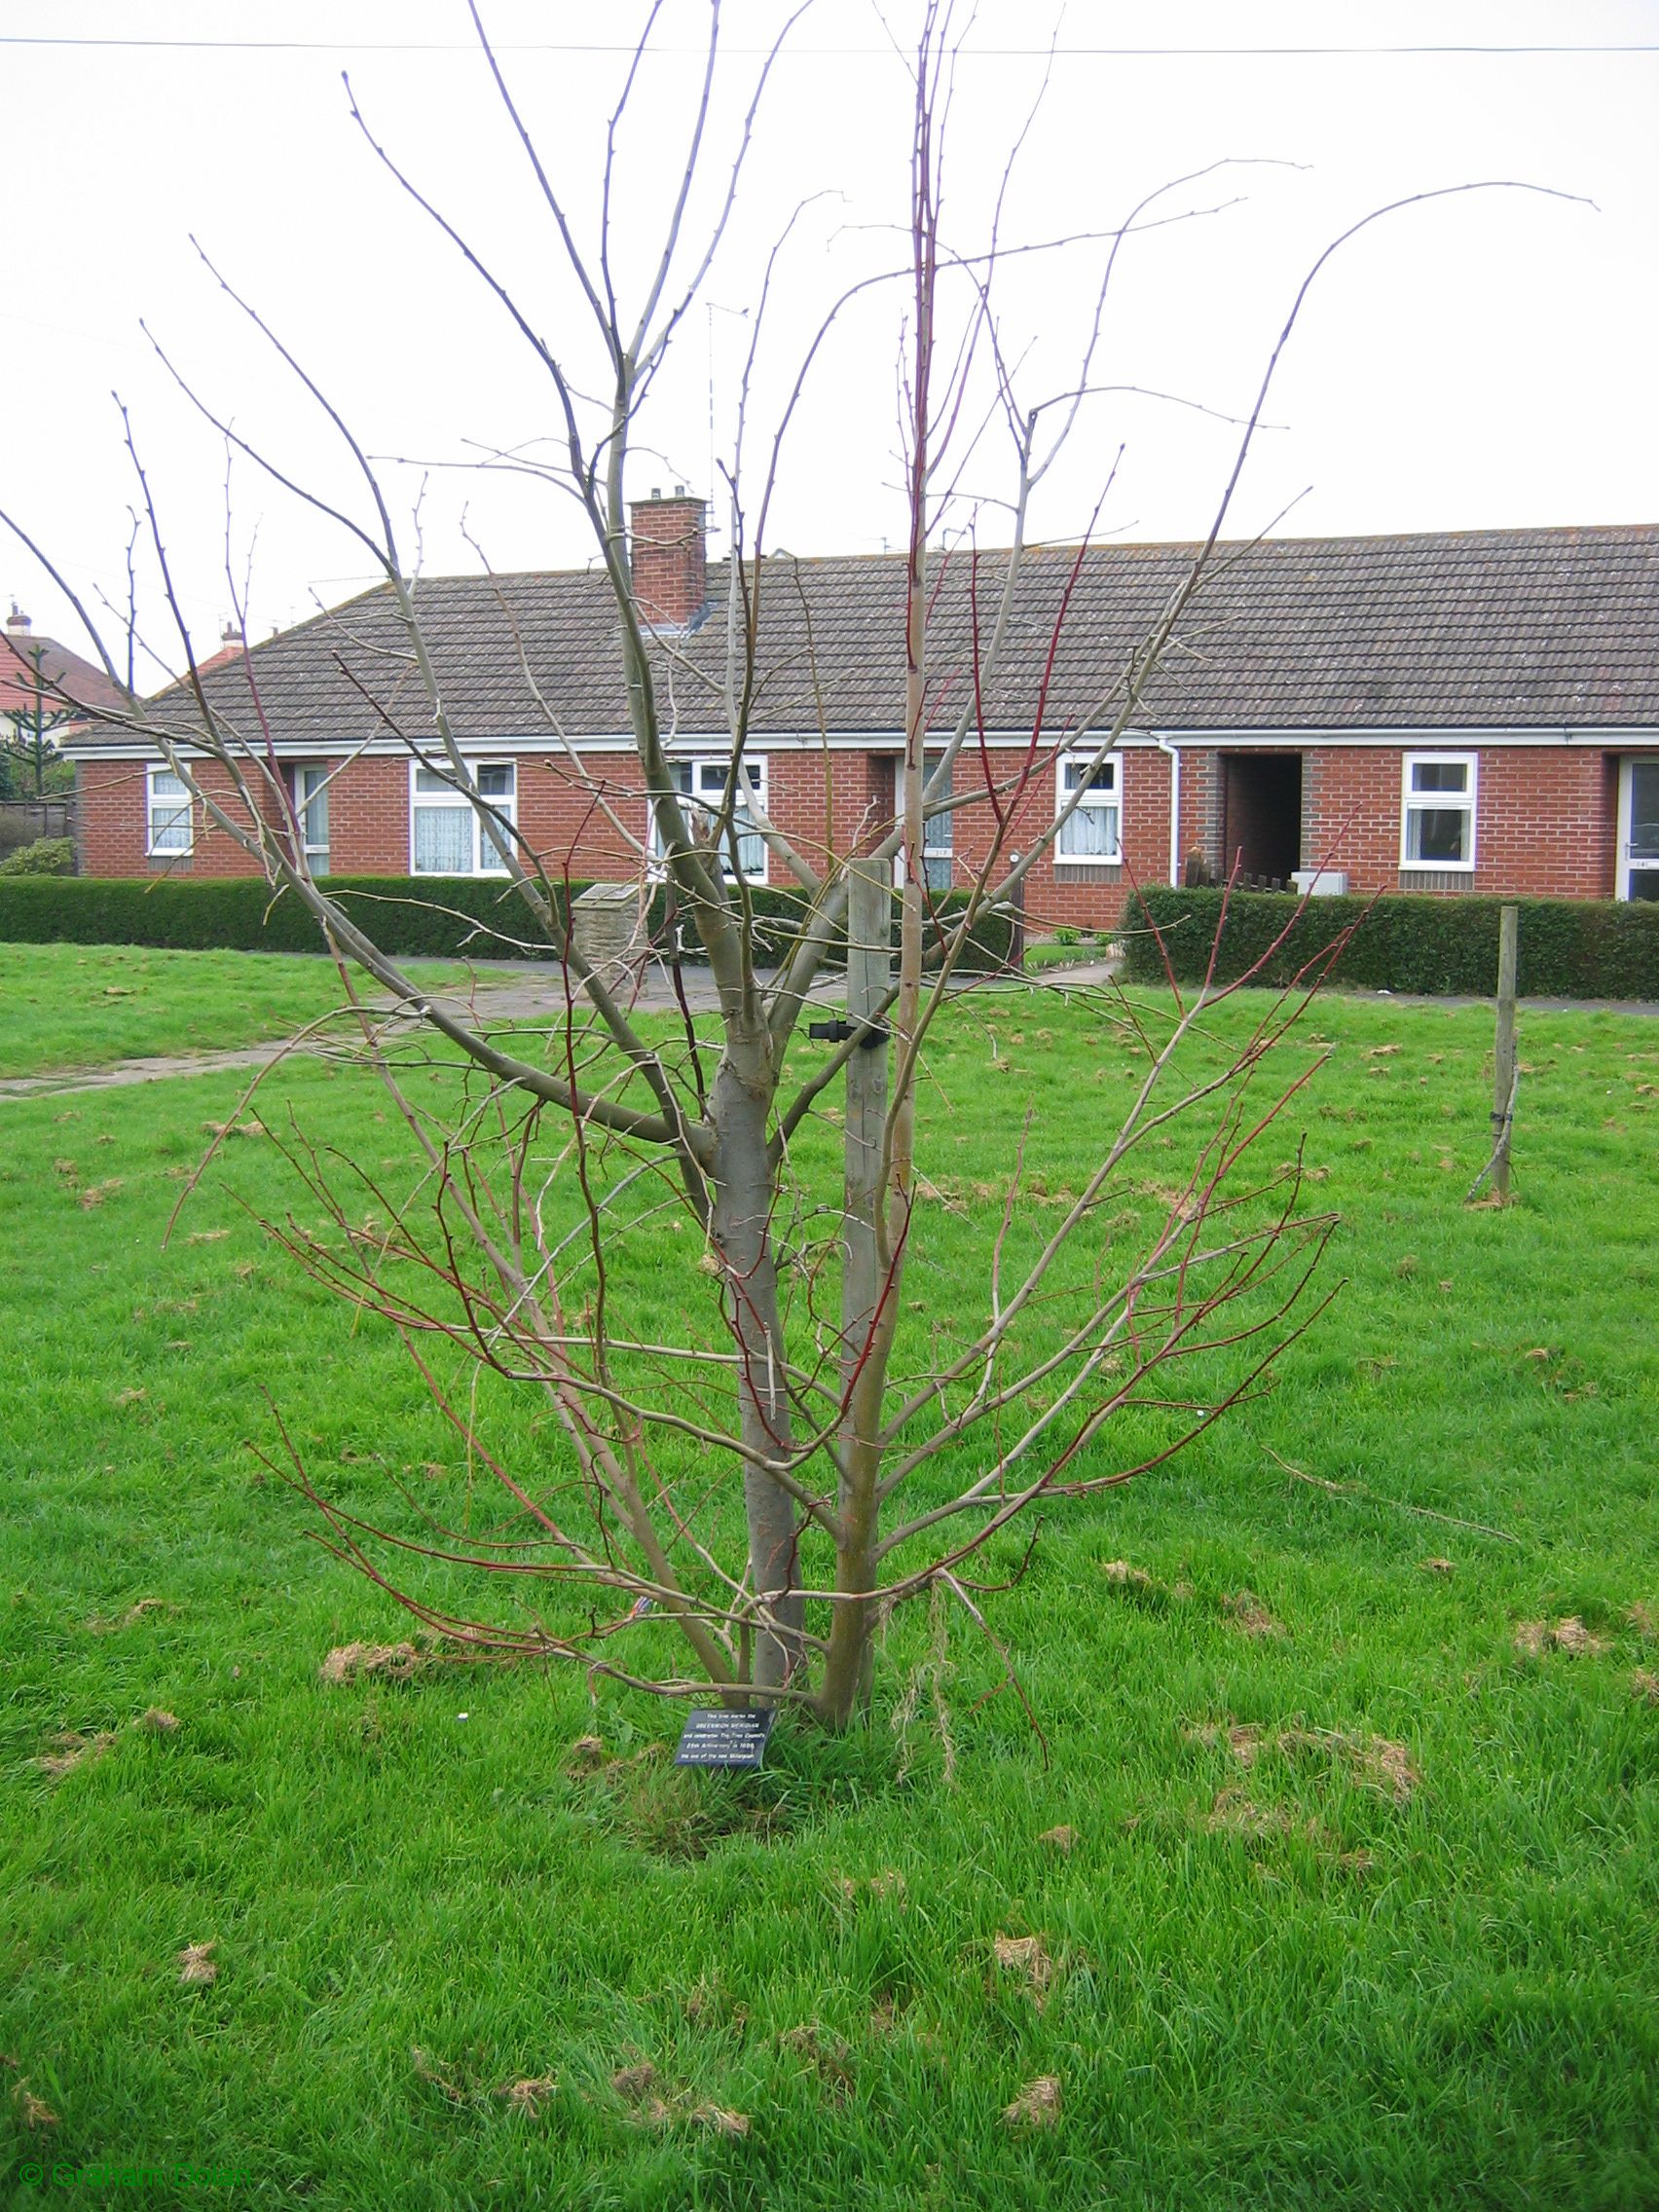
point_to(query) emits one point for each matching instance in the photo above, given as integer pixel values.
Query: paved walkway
(64, 1083)
(516, 991)
(526, 991)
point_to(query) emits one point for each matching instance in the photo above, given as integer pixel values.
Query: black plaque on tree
(717, 1736)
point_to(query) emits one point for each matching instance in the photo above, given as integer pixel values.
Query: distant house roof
(1483, 628)
(39, 673)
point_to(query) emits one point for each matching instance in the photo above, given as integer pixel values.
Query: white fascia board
(684, 744)
(1421, 738)
(1429, 737)
(1418, 738)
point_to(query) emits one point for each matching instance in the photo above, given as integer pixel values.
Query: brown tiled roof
(1479, 629)
(40, 671)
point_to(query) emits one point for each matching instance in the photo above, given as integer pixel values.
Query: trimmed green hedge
(439, 916)
(444, 917)
(1572, 949)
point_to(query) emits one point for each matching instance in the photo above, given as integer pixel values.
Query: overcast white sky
(1480, 362)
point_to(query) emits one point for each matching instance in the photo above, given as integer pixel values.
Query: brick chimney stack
(671, 559)
(17, 622)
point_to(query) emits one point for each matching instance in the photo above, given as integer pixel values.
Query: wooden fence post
(1506, 1074)
(1016, 925)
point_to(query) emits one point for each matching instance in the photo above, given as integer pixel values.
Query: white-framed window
(307, 788)
(446, 833)
(169, 825)
(702, 785)
(1094, 835)
(939, 837)
(1437, 811)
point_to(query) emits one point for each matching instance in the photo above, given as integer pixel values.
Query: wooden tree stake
(870, 971)
(1506, 1074)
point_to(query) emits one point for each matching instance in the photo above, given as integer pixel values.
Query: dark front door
(1261, 815)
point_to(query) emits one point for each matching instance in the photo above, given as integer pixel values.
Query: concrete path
(528, 991)
(65, 1082)
(519, 991)
(516, 991)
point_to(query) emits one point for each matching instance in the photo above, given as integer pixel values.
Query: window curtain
(443, 840)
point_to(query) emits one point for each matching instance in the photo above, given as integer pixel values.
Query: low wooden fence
(24, 821)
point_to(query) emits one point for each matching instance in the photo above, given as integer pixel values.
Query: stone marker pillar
(608, 926)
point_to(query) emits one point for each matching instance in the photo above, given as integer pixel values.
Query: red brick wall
(669, 555)
(1351, 815)
(568, 823)
(368, 806)
(113, 826)
(1545, 819)
(217, 852)
(1548, 823)
(109, 805)
(859, 801)
(368, 819)
(1201, 807)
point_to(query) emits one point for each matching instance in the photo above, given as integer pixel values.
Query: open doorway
(1261, 815)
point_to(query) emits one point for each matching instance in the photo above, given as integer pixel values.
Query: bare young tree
(766, 1480)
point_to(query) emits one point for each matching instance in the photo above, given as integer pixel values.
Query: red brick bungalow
(1477, 711)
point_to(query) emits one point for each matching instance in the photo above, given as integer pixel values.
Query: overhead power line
(812, 52)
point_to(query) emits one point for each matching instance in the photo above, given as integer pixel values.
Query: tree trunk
(740, 1222)
(864, 1362)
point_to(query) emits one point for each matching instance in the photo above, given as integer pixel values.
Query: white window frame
(1081, 757)
(173, 808)
(445, 797)
(939, 832)
(1438, 802)
(305, 794)
(701, 780)
(1631, 865)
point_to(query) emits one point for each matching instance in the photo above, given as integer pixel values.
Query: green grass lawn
(1075, 951)
(70, 1006)
(1359, 1903)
